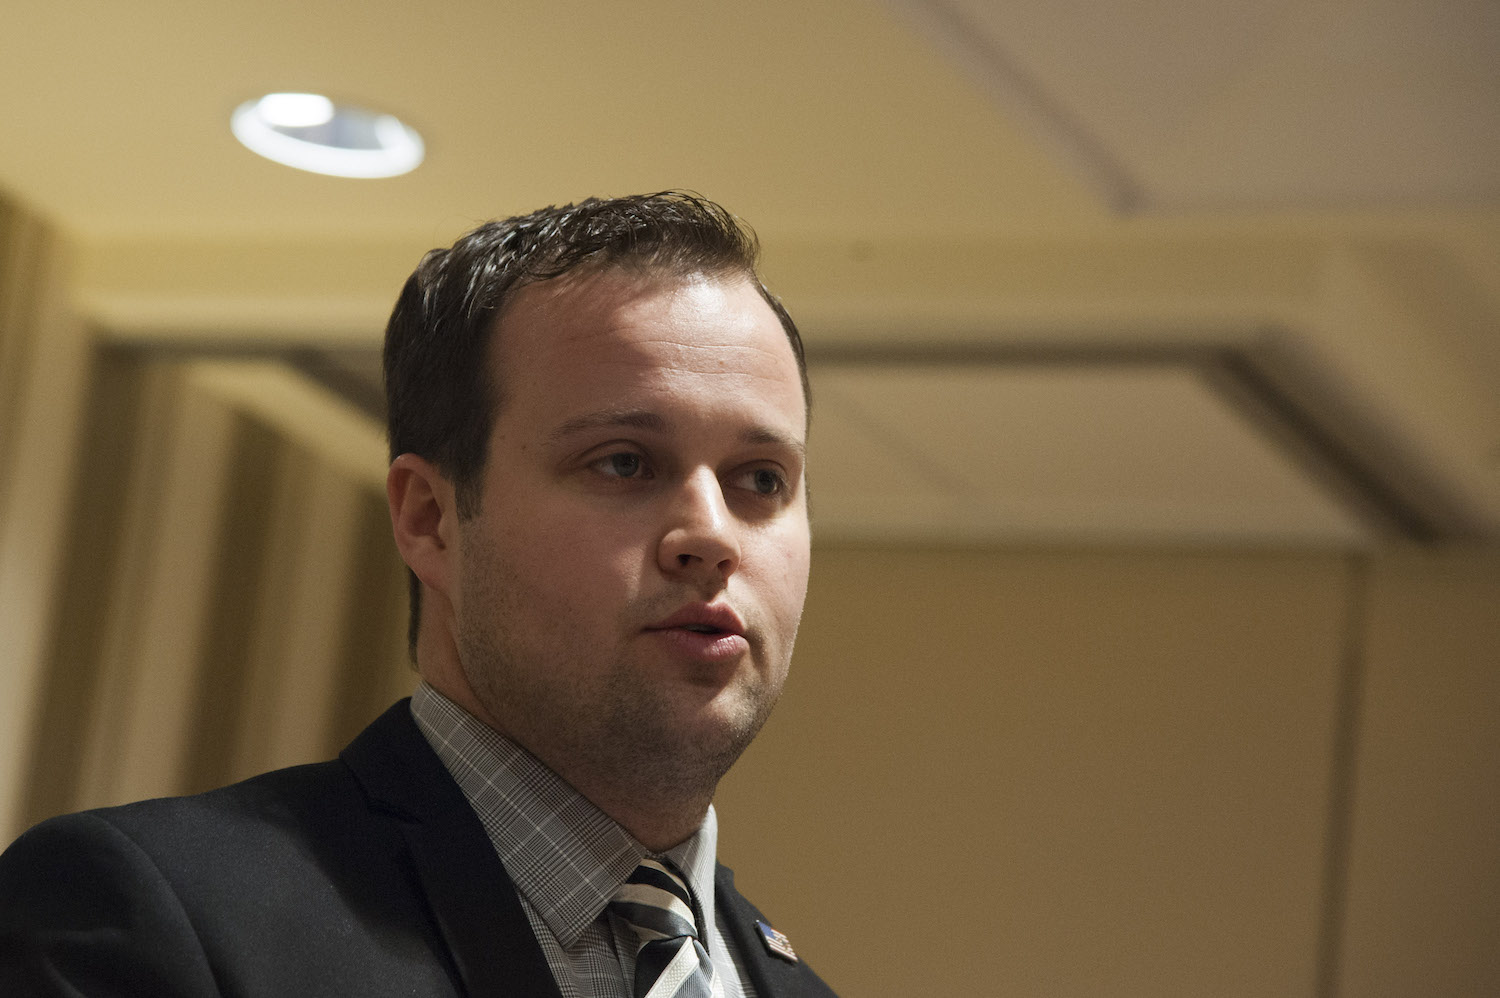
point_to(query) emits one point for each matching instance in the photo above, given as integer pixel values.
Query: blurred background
(1153, 645)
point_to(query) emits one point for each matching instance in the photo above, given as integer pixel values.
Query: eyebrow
(774, 438)
(645, 419)
(639, 419)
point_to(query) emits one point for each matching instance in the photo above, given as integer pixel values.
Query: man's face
(631, 584)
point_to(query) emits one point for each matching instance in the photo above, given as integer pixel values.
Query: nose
(701, 543)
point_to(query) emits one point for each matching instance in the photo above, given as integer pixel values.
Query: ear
(424, 519)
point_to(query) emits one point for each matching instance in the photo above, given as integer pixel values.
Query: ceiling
(1141, 271)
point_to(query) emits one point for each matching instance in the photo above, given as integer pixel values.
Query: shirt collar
(566, 857)
(697, 859)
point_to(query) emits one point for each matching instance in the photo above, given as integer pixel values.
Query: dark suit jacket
(367, 875)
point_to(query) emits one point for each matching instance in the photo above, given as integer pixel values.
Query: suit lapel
(473, 900)
(771, 975)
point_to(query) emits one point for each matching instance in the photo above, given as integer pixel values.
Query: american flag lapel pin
(776, 943)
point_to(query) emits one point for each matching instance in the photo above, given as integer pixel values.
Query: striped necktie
(671, 961)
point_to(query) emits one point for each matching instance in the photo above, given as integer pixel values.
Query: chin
(733, 721)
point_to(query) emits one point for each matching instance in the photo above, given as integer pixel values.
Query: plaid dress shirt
(566, 857)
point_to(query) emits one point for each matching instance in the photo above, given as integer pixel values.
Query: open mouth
(705, 633)
(704, 624)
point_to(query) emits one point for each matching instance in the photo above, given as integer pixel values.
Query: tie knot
(657, 902)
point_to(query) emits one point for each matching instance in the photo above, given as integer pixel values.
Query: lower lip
(706, 647)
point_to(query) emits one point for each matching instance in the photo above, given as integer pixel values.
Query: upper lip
(718, 616)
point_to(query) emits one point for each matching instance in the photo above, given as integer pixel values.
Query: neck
(660, 805)
(660, 814)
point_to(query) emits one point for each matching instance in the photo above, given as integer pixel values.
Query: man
(597, 417)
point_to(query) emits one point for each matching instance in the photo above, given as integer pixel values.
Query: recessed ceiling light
(311, 132)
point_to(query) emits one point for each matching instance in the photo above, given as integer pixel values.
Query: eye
(763, 481)
(623, 464)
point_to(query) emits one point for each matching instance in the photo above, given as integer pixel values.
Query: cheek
(579, 558)
(787, 582)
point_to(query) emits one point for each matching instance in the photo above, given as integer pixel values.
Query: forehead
(606, 331)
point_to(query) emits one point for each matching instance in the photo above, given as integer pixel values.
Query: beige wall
(44, 354)
(228, 599)
(1135, 773)
(1423, 906)
(996, 771)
